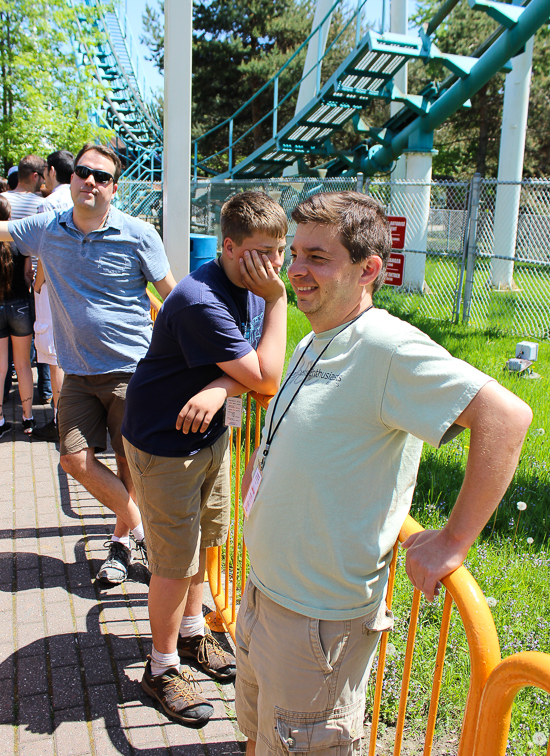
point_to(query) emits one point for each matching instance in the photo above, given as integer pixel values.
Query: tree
(470, 140)
(45, 98)
(237, 47)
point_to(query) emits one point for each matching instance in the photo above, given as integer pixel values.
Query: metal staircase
(366, 74)
(128, 110)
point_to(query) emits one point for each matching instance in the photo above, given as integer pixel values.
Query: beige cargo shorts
(185, 504)
(301, 682)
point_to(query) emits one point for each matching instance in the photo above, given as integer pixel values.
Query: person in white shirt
(57, 176)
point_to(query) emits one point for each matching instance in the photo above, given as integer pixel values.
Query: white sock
(2, 421)
(124, 540)
(192, 626)
(55, 414)
(27, 418)
(138, 532)
(162, 662)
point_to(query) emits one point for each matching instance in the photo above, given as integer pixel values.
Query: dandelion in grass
(491, 601)
(522, 506)
(530, 541)
(538, 432)
(391, 650)
(540, 739)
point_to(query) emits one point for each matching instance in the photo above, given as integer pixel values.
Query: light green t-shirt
(341, 470)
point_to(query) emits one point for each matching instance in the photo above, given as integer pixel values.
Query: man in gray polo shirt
(97, 261)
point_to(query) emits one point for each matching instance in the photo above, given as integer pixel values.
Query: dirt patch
(413, 745)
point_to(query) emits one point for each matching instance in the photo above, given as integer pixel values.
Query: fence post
(360, 181)
(471, 249)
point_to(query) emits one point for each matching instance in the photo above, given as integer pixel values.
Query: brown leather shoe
(175, 691)
(206, 650)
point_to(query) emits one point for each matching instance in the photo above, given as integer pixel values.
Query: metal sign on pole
(395, 269)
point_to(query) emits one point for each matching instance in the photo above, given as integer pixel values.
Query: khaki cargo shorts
(184, 503)
(89, 405)
(301, 682)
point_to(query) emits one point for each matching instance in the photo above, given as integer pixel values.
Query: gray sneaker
(114, 569)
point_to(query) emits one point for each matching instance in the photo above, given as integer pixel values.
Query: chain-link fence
(476, 252)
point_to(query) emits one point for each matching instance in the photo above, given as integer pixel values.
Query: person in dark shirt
(16, 323)
(221, 332)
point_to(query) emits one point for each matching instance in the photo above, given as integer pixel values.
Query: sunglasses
(100, 177)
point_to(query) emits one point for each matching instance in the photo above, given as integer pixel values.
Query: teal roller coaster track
(129, 109)
(366, 74)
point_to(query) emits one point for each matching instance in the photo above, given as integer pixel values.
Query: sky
(135, 10)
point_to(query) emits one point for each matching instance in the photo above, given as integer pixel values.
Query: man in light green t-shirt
(333, 480)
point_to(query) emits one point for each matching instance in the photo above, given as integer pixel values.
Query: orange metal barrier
(528, 668)
(227, 572)
(156, 304)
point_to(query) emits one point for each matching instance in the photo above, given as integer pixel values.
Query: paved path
(71, 649)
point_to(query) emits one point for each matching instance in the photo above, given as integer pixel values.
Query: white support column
(510, 166)
(178, 37)
(399, 24)
(315, 49)
(410, 200)
(413, 201)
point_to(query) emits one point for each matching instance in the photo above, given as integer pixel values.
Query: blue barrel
(203, 248)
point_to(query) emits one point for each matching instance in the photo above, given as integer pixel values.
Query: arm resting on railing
(498, 422)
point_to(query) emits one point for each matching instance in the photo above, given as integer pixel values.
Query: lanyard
(272, 431)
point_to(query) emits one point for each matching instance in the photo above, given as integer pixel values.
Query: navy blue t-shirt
(205, 320)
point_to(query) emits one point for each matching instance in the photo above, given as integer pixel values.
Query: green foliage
(45, 99)
(469, 141)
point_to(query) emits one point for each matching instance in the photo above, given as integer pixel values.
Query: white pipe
(399, 23)
(178, 37)
(510, 166)
(315, 49)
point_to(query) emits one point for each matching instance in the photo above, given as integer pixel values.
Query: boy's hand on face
(260, 277)
(197, 414)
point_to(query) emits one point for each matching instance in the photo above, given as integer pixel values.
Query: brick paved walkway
(71, 649)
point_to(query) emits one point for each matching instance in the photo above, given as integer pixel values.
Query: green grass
(508, 568)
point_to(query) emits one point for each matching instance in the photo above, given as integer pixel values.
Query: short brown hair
(246, 213)
(106, 152)
(359, 219)
(28, 165)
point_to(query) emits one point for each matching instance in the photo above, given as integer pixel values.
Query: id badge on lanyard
(250, 498)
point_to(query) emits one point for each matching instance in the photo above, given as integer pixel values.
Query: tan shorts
(301, 682)
(89, 405)
(185, 505)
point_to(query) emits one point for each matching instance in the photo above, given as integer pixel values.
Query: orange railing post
(480, 633)
(513, 673)
(156, 304)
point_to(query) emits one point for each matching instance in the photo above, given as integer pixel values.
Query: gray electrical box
(527, 350)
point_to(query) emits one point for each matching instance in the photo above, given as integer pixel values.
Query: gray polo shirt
(97, 286)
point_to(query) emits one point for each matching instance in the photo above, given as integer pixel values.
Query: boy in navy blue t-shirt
(221, 332)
